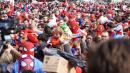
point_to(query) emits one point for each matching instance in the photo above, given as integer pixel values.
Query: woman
(7, 56)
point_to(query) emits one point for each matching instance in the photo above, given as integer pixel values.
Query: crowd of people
(71, 27)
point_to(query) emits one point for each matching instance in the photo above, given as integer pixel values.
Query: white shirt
(103, 19)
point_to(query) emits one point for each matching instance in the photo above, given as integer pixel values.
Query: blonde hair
(6, 57)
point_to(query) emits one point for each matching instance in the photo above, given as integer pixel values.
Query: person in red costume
(74, 24)
(100, 29)
(31, 35)
(28, 48)
(11, 11)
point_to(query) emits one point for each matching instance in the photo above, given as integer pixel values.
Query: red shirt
(128, 32)
(110, 12)
(10, 13)
(55, 41)
(129, 22)
(20, 17)
(100, 29)
(74, 26)
(78, 70)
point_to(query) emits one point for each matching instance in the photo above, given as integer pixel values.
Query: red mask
(27, 62)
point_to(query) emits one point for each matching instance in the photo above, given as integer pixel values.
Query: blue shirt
(117, 36)
(81, 22)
